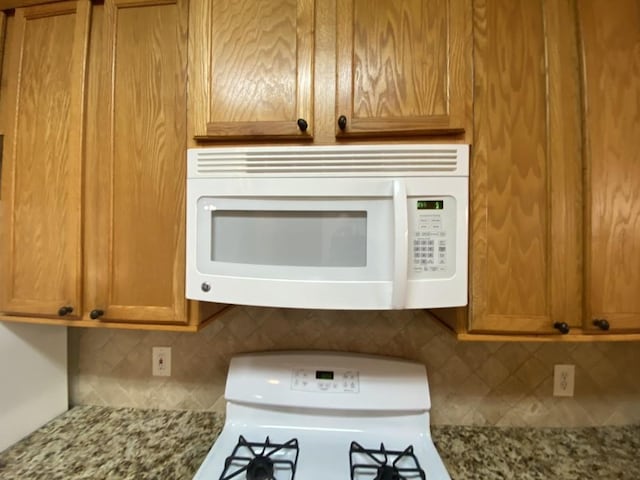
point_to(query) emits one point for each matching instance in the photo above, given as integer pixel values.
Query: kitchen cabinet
(554, 232)
(135, 166)
(95, 196)
(252, 68)
(526, 179)
(43, 117)
(611, 39)
(402, 66)
(266, 70)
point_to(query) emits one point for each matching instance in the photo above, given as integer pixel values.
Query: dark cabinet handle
(65, 311)
(601, 323)
(302, 124)
(96, 314)
(562, 327)
(342, 122)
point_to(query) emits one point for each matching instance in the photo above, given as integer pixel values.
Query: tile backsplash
(484, 383)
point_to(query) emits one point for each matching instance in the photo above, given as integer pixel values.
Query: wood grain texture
(192, 327)
(611, 43)
(3, 31)
(577, 335)
(324, 75)
(41, 244)
(256, 66)
(11, 4)
(525, 181)
(138, 87)
(402, 66)
(5, 119)
(566, 157)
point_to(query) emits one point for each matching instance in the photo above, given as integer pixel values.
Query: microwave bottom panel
(359, 295)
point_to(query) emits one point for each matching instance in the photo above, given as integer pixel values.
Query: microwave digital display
(430, 204)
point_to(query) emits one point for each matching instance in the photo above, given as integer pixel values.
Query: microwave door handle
(400, 245)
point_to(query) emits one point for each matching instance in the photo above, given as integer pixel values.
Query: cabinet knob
(96, 314)
(562, 327)
(302, 124)
(65, 311)
(342, 122)
(601, 323)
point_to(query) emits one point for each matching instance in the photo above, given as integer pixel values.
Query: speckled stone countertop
(116, 443)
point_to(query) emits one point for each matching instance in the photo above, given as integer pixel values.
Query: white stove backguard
(326, 400)
(328, 381)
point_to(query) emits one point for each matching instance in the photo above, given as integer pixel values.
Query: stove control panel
(338, 380)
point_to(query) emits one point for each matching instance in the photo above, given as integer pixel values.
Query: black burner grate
(404, 466)
(257, 460)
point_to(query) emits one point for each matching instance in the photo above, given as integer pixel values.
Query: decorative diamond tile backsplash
(506, 383)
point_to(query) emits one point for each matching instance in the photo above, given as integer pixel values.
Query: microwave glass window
(292, 238)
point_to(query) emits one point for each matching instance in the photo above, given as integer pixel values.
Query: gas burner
(262, 460)
(373, 464)
(260, 468)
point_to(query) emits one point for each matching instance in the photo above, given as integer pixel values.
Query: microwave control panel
(432, 236)
(331, 381)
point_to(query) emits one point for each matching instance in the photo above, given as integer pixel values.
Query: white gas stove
(324, 415)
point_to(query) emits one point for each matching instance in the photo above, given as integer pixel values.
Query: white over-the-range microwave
(331, 227)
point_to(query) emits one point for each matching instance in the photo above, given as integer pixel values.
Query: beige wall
(471, 383)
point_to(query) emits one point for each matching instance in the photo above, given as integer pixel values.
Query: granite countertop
(121, 443)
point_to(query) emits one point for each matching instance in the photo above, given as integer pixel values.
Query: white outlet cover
(563, 380)
(161, 361)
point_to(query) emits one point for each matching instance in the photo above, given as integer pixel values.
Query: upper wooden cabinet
(258, 67)
(611, 38)
(251, 70)
(555, 210)
(526, 177)
(43, 117)
(94, 216)
(136, 166)
(402, 66)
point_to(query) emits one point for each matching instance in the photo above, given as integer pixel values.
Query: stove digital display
(324, 375)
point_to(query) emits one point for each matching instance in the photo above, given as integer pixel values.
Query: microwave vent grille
(331, 161)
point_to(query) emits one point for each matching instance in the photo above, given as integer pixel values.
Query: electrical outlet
(563, 380)
(161, 361)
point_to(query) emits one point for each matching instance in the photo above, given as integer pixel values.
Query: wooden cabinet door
(136, 168)
(402, 66)
(41, 180)
(251, 69)
(611, 42)
(526, 228)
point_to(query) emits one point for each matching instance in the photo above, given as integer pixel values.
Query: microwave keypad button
(430, 249)
(430, 223)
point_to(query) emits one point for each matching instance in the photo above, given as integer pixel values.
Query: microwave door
(307, 252)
